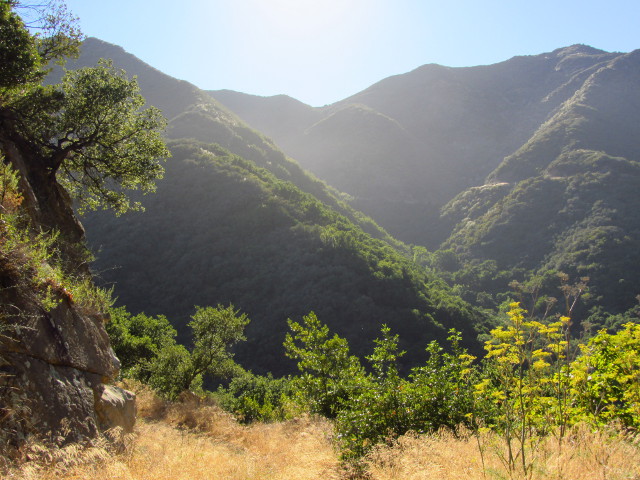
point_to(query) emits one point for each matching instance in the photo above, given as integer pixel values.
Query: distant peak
(577, 49)
(97, 41)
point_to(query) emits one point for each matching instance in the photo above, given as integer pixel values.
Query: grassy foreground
(192, 440)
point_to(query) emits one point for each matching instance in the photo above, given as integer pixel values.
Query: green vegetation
(580, 221)
(532, 383)
(606, 377)
(329, 374)
(30, 259)
(527, 386)
(149, 352)
(257, 398)
(233, 232)
(88, 132)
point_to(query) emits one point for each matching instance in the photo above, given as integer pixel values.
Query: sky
(321, 51)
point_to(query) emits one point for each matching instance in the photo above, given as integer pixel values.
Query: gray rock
(115, 407)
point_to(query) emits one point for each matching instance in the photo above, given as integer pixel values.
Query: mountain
(235, 220)
(408, 144)
(514, 170)
(567, 199)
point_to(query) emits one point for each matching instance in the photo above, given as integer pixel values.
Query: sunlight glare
(305, 18)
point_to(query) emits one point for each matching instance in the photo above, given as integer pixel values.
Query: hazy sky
(320, 51)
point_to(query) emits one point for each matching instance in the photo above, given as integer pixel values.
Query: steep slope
(279, 116)
(457, 125)
(568, 198)
(194, 114)
(221, 230)
(234, 220)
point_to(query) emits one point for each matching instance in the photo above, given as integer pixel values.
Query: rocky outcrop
(56, 361)
(56, 366)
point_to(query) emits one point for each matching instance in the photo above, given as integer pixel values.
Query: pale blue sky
(320, 51)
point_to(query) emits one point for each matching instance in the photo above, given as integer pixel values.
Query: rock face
(55, 355)
(55, 366)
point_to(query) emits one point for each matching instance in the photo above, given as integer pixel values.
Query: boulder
(115, 407)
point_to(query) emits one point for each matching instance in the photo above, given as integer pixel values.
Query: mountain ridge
(463, 120)
(236, 221)
(521, 164)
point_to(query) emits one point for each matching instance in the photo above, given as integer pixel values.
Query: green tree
(170, 373)
(91, 134)
(329, 373)
(137, 340)
(87, 136)
(215, 332)
(148, 350)
(18, 52)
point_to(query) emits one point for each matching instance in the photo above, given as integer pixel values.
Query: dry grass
(194, 440)
(582, 455)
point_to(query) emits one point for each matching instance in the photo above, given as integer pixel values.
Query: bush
(256, 398)
(148, 350)
(436, 395)
(606, 378)
(329, 374)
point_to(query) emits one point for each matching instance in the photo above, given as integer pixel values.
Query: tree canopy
(88, 133)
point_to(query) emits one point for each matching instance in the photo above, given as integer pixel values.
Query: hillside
(521, 168)
(567, 199)
(436, 131)
(234, 220)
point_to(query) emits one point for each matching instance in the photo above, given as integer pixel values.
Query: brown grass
(196, 440)
(582, 455)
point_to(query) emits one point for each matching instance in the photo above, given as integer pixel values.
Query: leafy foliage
(18, 51)
(254, 398)
(329, 373)
(92, 130)
(434, 396)
(138, 339)
(148, 350)
(88, 132)
(606, 377)
(380, 405)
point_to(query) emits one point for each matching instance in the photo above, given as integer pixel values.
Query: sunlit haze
(320, 51)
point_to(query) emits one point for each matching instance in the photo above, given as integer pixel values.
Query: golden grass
(195, 440)
(583, 455)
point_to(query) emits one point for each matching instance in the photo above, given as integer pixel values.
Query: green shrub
(329, 374)
(606, 378)
(137, 340)
(256, 398)
(148, 350)
(436, 395)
